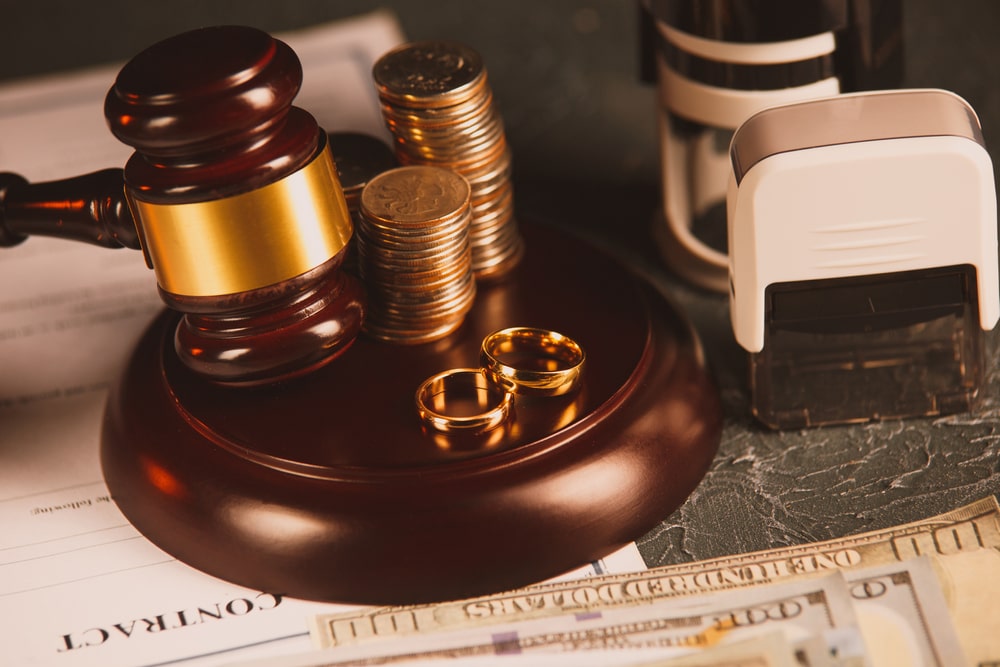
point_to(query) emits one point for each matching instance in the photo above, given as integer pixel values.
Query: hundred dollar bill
(801, 610)
(964, 545)
(903, 616)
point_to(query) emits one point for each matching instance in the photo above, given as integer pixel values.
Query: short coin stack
(414, 254)
(359, 158)
(439, 107)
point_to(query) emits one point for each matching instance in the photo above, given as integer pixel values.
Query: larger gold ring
(539, 362)
(462, 400)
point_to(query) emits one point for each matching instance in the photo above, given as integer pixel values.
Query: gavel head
(237, 203)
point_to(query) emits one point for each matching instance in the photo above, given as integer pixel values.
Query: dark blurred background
(565, 72)
(582, 129)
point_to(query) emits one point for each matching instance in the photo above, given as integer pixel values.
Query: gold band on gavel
(249, 240)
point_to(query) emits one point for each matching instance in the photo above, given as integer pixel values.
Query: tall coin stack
(439, 107)
(414, 253)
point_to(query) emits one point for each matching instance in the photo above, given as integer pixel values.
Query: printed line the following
(59, 490)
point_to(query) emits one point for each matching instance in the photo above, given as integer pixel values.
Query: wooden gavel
(231, 194)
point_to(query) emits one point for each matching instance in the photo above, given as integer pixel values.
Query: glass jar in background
(716, 63)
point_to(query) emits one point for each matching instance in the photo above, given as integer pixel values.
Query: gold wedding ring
(525, 360)
(462, 400)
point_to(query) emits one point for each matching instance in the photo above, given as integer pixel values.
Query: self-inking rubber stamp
(863, 257)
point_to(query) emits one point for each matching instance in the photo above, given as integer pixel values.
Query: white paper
(78, 585)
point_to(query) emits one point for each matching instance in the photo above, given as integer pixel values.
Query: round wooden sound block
(327, 487)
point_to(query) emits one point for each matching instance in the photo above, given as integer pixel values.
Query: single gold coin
(415, 194)
(433, 73)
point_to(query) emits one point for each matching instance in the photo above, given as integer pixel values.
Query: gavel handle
(89, 208)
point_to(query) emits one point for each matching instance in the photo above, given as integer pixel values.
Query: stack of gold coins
(439, 107)
(414, 253)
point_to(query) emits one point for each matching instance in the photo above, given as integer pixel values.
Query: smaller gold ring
(462, 400)
(525, 360)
